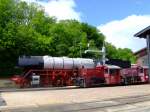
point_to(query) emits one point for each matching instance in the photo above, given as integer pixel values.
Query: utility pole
(80, 52)
(148, 52)
(104, 55)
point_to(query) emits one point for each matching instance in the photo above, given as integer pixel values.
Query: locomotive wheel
(125, 82)
(27, 85)
(83, 83)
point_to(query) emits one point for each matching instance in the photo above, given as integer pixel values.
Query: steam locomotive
(46, 71)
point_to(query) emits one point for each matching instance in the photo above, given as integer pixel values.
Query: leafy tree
(25, 29)
(124, 54)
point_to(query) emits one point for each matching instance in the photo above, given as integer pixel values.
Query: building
(145, 33)
(142, 57)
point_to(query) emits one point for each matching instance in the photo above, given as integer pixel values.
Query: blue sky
(98, 12)
(118, 20)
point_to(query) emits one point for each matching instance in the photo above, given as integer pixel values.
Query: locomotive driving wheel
(83, 83)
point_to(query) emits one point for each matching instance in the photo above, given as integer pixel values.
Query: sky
(118, 20)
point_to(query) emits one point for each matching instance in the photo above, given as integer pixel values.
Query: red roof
(141, 52)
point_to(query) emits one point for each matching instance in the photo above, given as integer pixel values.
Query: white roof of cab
(113, 66)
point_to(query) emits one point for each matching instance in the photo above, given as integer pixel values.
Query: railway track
(58, 88)
(37, 89)
(139, 103)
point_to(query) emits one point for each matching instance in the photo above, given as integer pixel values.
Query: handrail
(27, 74)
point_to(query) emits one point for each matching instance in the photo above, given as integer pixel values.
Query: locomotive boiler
(48, 62)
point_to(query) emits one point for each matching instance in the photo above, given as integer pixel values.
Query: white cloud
(120, 32)
(61, 9)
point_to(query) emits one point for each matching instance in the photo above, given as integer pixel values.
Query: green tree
(25, 29)
(124, 54)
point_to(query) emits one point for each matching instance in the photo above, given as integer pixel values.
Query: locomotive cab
(112, 74)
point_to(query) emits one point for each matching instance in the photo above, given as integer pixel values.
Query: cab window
(106, 71)
(141, 70)
(112, 71)
(146, 71)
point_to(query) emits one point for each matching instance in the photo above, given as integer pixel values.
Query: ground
(100, 99)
